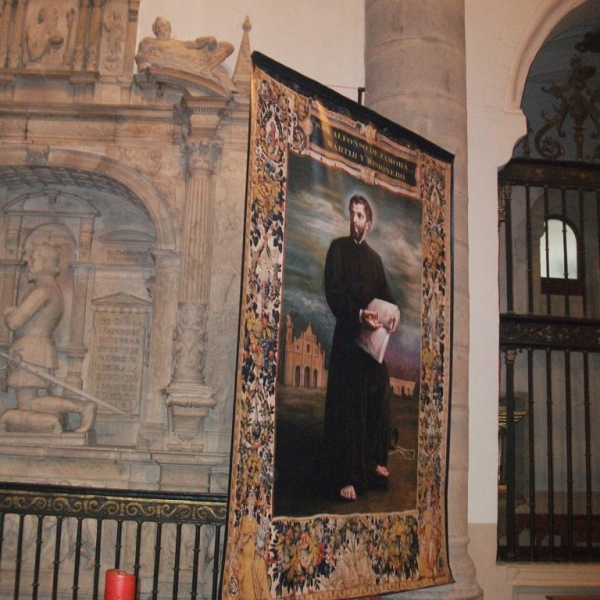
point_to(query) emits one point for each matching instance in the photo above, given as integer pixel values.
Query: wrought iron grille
(56, 542)
(549, 433)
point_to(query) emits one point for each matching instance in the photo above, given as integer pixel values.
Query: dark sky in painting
(316, 213)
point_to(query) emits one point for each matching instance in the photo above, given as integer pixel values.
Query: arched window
(559, 265)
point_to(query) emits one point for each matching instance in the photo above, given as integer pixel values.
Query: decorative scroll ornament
(578, 102)
(540, 332)
(109, 506)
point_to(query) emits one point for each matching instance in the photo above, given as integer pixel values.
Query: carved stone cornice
(189, 83)
(544, 332)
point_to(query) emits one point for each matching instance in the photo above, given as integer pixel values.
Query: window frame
(562, 286)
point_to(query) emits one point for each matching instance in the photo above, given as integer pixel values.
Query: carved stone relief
(137, 182)
(82, 236)
(162, 168)
(64, 35)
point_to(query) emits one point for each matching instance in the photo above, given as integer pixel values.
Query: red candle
(119, 585)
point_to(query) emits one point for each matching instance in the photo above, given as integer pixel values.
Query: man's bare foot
(348, 492)
(381, 471)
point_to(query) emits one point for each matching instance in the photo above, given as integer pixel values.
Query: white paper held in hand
(374, 341)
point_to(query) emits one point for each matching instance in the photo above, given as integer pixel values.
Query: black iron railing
(57, 542)
(549, 418)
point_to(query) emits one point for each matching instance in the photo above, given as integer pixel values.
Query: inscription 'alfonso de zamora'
(357, 150)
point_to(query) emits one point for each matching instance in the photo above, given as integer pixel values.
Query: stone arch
(135, 183)
(548, 19)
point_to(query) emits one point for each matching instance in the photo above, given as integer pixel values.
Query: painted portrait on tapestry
(318, 212)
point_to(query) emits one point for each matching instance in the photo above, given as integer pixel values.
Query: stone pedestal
(188, 405)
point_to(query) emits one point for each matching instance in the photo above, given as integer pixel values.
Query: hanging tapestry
(340, 439)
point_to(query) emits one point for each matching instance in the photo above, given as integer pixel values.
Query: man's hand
(371, 319)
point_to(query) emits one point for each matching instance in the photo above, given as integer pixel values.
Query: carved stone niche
(64, 221)
(104, 275)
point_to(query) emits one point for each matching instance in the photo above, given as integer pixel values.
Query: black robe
(356, 425)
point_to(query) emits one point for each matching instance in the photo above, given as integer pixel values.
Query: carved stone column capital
(201, 156)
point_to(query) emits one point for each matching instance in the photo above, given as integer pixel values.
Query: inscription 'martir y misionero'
(357, 150)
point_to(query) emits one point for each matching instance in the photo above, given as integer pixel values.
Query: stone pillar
(415, 69)
(188, 398)
(80, 35)
(12, 237)
(81, 274)
(10, 269)
(76, 350)
(14, 52)
(164, 309)
(198, 220)
(128, 58)
(94, 35)
(5, 18)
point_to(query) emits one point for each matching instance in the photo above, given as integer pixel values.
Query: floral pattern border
(329, 556)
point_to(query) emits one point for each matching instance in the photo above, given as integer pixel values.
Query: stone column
(9, 283)
(188, 395)
(94, 35)
(415, 69)
(159, 359)
(15, 50)
(81, 275)
(10, 268)
(198, 220)
(80, 35)
(76, 350)
(128, 58)
(5, 17)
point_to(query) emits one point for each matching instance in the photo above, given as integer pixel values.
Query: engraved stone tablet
(120, 328)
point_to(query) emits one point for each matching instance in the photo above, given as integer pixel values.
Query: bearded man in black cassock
(356, 425)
